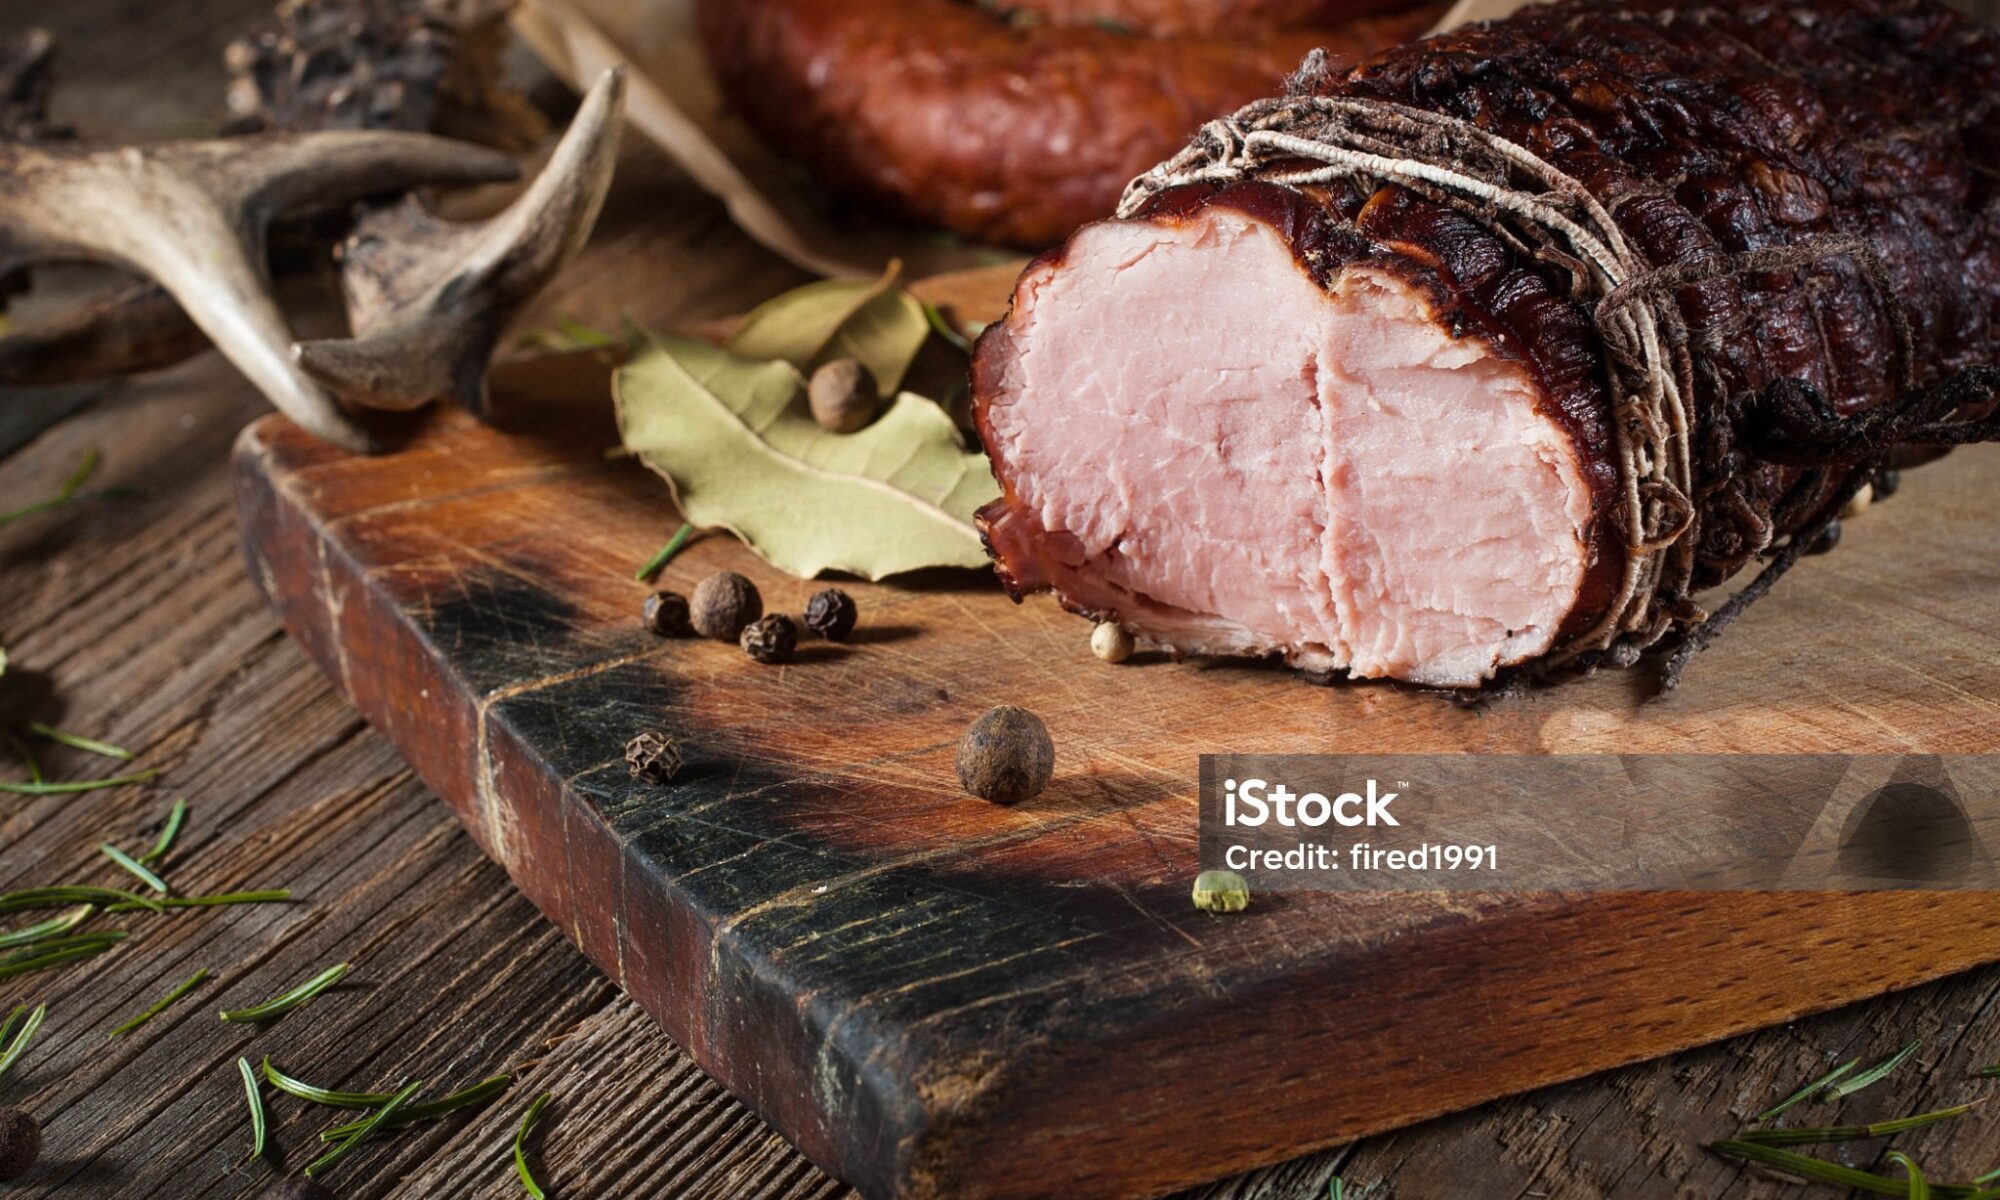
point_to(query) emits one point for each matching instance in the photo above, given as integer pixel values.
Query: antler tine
(192, 216)
(428, 300)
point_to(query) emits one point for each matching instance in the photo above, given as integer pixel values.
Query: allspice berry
(1006, 756)
(772, 640)
(1110, 642)
(1221, 892)
(843, 396)
(654, 757)
(723, 604)
(666, 614)
(298, 1187)
(831, 614)
(20, 1142)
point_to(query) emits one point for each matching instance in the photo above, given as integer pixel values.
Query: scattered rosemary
(42, 957)
(666, 553)
(70, 492)
(162, 1004)
(16, 1032)
(1989, 1072)
(57, 897)
(478, 1093)
(1849, 1133)
(272, 896)
(278, 1006)
(320, 1095)
(1339, 1189)
(47, 788)
(1822, 1171)
(28, 758)
(28, 935)
(364, 1131)
(1919, 1188)
(77, 741)
(168, 832)
(138, 870)
(256, 1097)
(1878, 1072)
(528, 1124)
(1808, 1091)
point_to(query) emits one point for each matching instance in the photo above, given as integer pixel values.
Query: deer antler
(192, 215)
(428, 299)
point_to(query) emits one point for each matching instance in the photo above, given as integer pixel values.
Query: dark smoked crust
(1706, 131)
(1171, 18)
(940, 111)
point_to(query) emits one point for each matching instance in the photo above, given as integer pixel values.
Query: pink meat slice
(1199, 440)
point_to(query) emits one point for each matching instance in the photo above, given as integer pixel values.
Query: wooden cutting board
(934, 996)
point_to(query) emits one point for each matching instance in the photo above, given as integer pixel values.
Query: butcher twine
(1549, 216)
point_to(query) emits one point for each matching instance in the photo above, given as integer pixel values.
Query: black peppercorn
(831, 614)
(723, 604)
(298, 1187)
(667, 614)
(1887, 480)
(1827, 540)
(20, 1142)
(1006, 756)
(653, 756)
(771, 640)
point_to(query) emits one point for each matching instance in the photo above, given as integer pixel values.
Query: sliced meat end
(1197, 439)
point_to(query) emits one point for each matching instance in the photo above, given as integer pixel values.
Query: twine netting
(1307, 141)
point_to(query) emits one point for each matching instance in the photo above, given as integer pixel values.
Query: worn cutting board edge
(1465, 1005)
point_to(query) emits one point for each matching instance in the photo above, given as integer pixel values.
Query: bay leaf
(740, 452)
(876, 323)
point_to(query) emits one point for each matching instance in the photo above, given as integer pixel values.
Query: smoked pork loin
(1487, 356)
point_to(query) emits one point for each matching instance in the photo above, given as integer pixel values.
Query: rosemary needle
(273, 896)
(1849, 1133)
(17, 1042)
(1822, 1171)
(41, 958)
(278, 1006)
(28, 935)
(168, 832)
(1878, 1072)
(478, 1093)
(365, 1131)
(320, 1095)
(1919, 1188)
(71, 787)
(521, 1135)
(140, 871)
(77, 741)
(1812, 1089)
(666, 553)
(162, 1004)
(256, 1097)
(57, 897)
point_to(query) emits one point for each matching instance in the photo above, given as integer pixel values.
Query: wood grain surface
(136, 621)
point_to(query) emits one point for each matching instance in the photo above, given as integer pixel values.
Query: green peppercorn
(1006, 756)
(20, 1142)
(1110, 642)
(723, 604)
(1221, 892)
(774, 639)
(667, 613)
(831, 614)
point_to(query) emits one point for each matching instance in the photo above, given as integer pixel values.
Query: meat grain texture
(1012, 123)
(1351, 423)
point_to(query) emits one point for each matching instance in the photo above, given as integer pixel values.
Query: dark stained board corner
(937, 997)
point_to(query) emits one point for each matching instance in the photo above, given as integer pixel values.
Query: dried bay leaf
(739, 451)
(876, 323)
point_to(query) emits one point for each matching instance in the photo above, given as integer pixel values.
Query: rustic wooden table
(133, 620)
